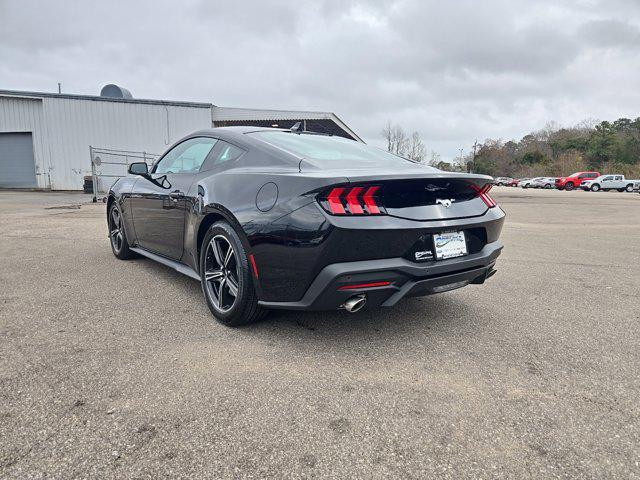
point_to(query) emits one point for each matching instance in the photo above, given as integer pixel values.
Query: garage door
(17, 166)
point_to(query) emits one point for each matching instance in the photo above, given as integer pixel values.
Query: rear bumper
(407, 279)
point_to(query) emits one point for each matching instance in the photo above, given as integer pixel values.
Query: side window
(187, 157)
(223, 152)
(583, 176)
(593, 175)
(618, 177)
(607, 179)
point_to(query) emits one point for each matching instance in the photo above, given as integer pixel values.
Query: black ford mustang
(270, 218)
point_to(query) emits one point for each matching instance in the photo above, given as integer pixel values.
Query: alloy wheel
(115, 229)
(221, 273)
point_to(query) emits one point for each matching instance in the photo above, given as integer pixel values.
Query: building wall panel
(64, 128)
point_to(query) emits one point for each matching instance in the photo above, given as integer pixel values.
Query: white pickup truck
(610, 182)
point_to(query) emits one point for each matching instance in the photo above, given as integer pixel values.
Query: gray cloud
(454, 71)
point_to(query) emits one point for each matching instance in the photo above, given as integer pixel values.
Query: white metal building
(45, 137)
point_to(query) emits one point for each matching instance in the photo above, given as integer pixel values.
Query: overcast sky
(452, 70)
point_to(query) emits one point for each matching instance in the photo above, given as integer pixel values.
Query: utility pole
(473, 161)
(59, 87)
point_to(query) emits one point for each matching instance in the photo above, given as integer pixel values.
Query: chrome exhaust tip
(355, 303)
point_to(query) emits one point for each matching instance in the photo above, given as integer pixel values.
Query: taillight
(335, 202)
(358, 200)
(486, 198)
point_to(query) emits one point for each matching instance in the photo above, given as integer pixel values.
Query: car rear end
(560, 183)
(375, 239)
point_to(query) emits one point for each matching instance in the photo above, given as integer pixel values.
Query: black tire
(629, 188)
(569, 186)
(222, 273)
(621, 189)
(548, 185)
(595, 187)
(117, 234)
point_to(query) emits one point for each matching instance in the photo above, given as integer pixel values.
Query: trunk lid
(417, 192)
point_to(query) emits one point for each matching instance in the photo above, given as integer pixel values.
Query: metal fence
(108, 165)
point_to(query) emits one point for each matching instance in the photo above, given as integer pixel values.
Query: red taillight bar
(483, 193)
(359, 200)
(335, 204)
(370, 201)
(354, 202)
(359, 286)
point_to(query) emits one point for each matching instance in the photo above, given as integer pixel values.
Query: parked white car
(543, 182)
(609, 182)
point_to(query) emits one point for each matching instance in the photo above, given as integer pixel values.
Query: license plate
(449, 245)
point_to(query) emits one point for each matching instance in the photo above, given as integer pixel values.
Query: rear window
(329, 151)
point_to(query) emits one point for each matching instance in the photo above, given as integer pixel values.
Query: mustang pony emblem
(445, 202)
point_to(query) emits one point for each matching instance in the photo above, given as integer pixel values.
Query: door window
(607, 179)
(186, 157)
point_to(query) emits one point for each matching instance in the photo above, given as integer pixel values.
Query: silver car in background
(543, 182)
(528, 182)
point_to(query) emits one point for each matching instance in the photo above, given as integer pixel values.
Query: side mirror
(138, 168)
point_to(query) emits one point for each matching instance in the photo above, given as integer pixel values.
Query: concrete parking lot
(116, 369)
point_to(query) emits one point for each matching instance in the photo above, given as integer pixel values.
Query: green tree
(601, 145)
(532, 158)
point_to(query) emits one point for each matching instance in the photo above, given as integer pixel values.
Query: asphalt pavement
(112, 369)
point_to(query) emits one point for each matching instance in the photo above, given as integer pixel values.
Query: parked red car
(574, 180)
(513, 183)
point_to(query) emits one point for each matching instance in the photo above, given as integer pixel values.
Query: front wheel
(595, 187)
(568, 186)
(226, 278)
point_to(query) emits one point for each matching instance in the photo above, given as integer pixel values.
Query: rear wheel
(226, 279)
(595, 187)
(117, 235)
(629, 188)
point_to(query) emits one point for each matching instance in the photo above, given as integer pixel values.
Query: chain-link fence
(108, 165)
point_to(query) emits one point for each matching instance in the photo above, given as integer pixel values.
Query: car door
(607, 182)
(618, 182)
(159, 202)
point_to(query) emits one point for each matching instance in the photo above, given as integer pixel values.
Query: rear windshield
(333, 151)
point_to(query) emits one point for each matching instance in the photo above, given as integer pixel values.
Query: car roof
(234, 131)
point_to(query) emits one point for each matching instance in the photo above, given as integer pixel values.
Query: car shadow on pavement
(409, 318)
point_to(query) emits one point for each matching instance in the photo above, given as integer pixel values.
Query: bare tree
(434, 158)
(387, 133)
(397, 141)
(416, 151)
